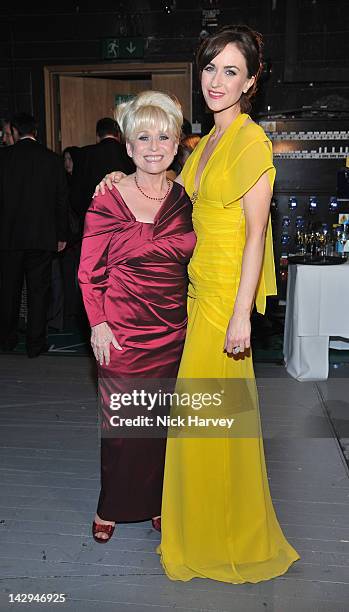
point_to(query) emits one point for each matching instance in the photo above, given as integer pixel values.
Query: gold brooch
(194, 197)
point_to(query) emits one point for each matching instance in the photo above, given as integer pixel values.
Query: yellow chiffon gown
(218, 520)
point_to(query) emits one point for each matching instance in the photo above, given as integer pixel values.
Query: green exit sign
(122, 48)
(120, 98)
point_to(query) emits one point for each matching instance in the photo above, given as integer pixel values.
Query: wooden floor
(49, 481)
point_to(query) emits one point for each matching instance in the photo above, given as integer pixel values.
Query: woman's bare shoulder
(125, 186)
(126, 180)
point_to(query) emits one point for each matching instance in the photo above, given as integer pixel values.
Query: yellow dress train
(218, 520)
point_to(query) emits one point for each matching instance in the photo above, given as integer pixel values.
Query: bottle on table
(342, 239)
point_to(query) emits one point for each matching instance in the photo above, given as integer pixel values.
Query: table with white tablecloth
(317, 308)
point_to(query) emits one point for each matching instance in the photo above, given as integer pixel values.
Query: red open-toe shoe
(98, 528)
(156, 522)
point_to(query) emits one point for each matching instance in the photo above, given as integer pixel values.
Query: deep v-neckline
(197, 181)
(158, 213)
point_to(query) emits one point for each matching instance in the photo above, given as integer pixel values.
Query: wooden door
(77, 96)
(176, 84)
(84, 100)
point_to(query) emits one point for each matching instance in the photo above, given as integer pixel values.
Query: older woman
(137, 241)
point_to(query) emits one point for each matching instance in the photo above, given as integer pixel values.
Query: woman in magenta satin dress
(138, 239)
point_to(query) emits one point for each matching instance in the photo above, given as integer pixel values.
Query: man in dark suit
(96, 161)
(33, 225)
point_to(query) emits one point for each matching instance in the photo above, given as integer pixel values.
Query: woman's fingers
(237, 337)
(116, 177)
(101, 352)
(101, 338)
(105, 354)
(115, 343)
(228, 345)
(111, 179)
(235, 344)
(236, 347)
(108, 180)
(100, 189)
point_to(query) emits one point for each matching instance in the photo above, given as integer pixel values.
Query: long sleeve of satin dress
(133, 275)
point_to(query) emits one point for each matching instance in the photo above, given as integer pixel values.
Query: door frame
(52, 95)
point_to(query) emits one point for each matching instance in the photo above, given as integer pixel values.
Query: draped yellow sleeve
(246, 162)
(267, 281)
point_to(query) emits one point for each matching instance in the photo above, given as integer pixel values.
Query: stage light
(313, 204)
(300, 223)
(285, 223)
(170, 7)
(333, 206)
(292, 203)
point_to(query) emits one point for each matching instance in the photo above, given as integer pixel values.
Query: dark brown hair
(249, 44)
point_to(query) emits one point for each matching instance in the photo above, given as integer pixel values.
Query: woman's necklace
(150, 197)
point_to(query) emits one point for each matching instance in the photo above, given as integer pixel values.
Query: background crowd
(40, 252)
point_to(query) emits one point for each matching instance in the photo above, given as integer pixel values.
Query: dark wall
(306, 45)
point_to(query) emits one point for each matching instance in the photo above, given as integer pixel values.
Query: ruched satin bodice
(134, 276)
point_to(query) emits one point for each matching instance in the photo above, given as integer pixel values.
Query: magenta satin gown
(134, 276)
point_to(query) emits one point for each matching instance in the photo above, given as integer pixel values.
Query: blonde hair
(149, 109)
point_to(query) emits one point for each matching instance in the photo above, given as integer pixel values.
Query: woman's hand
(238, 334)
(101, 337)
(109, 180)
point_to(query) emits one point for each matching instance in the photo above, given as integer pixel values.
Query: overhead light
(170, 7)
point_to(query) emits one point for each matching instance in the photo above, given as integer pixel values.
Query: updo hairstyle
(249, 44)
(150, 110)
